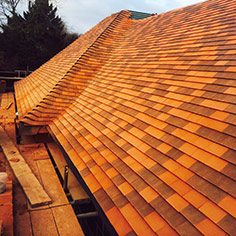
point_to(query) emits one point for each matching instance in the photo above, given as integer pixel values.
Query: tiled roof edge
(118, 14)
(26, 118)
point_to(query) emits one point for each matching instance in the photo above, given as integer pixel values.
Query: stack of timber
(57, 218)
(30, 184)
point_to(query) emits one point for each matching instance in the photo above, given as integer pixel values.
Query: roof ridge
(112, 22)
(54, 89)
(77, 90)
(53, 70)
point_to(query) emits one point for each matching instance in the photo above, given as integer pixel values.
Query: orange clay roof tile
(207, 227)
(145, 110)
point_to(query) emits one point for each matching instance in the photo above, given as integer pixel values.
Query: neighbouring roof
(146, 111)
(139, 15)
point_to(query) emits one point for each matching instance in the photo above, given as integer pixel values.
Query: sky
(81, 15)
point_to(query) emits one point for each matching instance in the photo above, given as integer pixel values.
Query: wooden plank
(43, 223)
(28, 155)
(22, 221)
(51, 183)
(2, 112)
(41, 153)
(11, 131)
(76, 190)
(67, 223)
(11, 111)
(4, 100)
(30, 184)
(64, 217)
(29, 152)
(55, 219)
(5, 166)
(32, 153)
(8, 106)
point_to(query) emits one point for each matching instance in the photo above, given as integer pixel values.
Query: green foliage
(32, 39)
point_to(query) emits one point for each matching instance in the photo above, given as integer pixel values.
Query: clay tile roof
(152, 126)
(50, 89)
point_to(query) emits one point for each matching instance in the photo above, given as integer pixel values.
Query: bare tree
(7, 8)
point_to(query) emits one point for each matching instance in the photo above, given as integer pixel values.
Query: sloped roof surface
(42, 89)
(152, 131)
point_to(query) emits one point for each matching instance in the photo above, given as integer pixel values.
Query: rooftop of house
(146, 111)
